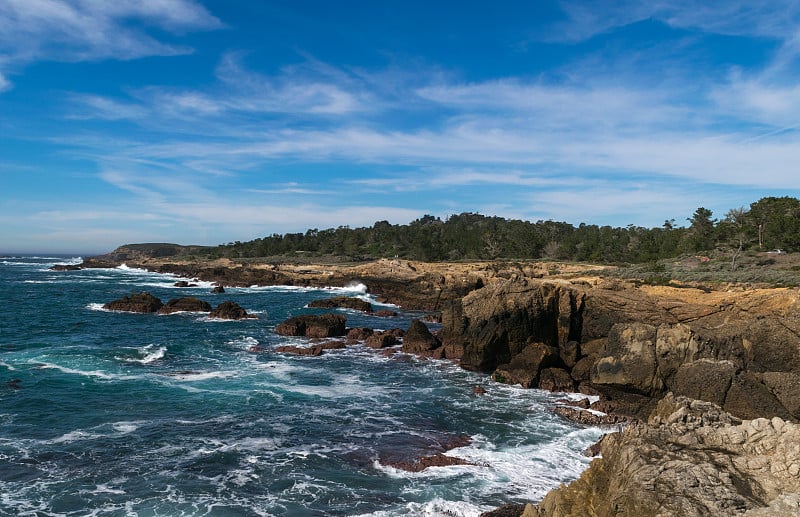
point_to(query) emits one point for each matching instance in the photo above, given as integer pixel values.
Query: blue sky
(204, 122)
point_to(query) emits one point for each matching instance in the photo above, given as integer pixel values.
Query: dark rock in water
(230, 311)
(419, 340)
(359, 333)
(310, 350)
(218, 289)
(137, 302)
(582, 416)
(434, 460)
(381, 340)
(325, 325)
(184, 283)
(66, 267)
(384, 313)
(343, 302)
(186, 304)
(507, 510)
(479, 390)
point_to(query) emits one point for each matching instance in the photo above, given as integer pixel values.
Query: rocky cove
(706, 379)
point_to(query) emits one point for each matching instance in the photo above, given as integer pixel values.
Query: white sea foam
(200, 376)
(97, 307)
(7, 366)
(246, 342)
(90, 373)
(148, 354)
(436, 507)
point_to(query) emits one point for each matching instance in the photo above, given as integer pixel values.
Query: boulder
(385, 313)
(138, 302)
(381, 340)
(184, 283)
(186, 304)
(786, 388)
(419, 340)
(524, 368)
(342, 302)
(310, 350)
(230, 311)
(217, 289)
(555, 379)
(704, 379)
(313, 326)
(359, 333)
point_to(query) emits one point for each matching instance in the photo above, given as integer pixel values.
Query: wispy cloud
(586, 19)
(81, 30)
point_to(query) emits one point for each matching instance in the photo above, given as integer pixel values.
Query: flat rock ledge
(691, 458)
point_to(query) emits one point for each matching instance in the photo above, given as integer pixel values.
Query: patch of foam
(200, 376)
(529, 471)
(7, 366)
(436, 507)
(86, 373)
(245, 342)
(149, 353)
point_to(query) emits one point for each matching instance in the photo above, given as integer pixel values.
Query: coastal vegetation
(767, 224)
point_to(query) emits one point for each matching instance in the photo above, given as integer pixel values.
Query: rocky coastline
(707, 380)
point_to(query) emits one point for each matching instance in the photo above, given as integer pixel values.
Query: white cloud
(775, 19)
(61, 30)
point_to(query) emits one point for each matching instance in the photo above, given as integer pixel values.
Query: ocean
(117, 414)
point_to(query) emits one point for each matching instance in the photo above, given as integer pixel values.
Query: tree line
(769, 223)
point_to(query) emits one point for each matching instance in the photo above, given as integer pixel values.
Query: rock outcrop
(691, 459)
(186, 304)
(633, 345)
(419, 340)
(230, 311)
(313, 326)
(342, 302)
(138, 302)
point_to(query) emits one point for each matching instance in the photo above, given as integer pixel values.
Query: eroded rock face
(632, 345)
(690, 459)
(137, 302)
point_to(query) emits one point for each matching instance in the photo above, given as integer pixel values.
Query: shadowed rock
(187, 304)
(230, 311)
(312, 326)
(137, 302)
(343, 302)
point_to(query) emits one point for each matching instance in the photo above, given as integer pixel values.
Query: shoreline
(630, 345)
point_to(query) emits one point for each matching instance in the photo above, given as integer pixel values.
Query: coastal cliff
(691, 459)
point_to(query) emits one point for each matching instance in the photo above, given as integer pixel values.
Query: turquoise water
(118, 414)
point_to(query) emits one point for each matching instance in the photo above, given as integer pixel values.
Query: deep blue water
(118, 414)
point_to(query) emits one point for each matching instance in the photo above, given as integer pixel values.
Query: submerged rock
(138, 302)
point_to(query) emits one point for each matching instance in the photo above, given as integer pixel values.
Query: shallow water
(138, 414)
